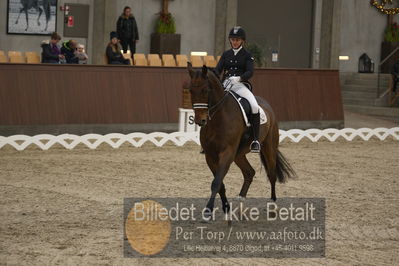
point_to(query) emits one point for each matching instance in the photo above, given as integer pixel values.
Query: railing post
(378, 81)
(379, 69)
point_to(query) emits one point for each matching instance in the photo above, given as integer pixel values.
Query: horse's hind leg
(225, 202)
(247, 171)
(47, 12)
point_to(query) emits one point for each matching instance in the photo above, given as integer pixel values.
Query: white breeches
(244, 92)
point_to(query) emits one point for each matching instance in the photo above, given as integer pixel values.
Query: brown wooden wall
(65, 94)
(301, 95)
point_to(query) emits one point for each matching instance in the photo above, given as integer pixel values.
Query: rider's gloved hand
(235, 80)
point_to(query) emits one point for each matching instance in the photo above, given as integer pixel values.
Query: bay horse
(224, 140)
(29, 4)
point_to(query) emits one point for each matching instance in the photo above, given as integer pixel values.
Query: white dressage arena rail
(92, 141)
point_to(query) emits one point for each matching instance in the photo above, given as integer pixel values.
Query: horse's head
(199, 89)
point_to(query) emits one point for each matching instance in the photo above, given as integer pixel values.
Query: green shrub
(258, 53)
(392, 33)
(165, 24)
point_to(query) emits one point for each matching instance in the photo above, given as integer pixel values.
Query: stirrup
(255, 146)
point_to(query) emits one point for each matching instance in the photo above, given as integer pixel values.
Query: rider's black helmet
(237, 32)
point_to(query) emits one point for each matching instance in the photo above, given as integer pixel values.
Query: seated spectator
(395, 75)
(51, 53)
(80, 53)
(113, 51)
(68, 49)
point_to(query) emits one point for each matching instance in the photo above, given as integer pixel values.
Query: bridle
(214, 108)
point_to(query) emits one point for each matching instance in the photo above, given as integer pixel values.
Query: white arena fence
(92, 141)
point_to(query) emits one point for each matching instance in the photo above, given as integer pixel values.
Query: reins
(213, 108)
(218, 104)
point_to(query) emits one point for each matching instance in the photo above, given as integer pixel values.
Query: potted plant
(258, 53)
(392, 33)
(165, 40)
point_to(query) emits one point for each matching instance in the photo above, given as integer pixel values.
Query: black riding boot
(255, 123)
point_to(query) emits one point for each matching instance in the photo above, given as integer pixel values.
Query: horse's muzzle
(201, 117)
(202, 122)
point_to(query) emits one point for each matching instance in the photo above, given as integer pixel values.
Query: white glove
(235, 80)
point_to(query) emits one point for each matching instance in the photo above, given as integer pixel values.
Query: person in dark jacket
(395, 75)
(113, 51)
(237, 66)
(128, 33)
(68, 49)
(51, 53)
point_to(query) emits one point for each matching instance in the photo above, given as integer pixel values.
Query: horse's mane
(213, 77)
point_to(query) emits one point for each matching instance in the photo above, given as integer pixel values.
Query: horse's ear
(190, 69)
(204, 71)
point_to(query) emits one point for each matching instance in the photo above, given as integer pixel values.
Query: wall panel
(64, 94)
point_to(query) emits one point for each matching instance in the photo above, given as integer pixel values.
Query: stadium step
(359, 94)
(373, 110)
(368, 82)
(361, 89)
(359, 101)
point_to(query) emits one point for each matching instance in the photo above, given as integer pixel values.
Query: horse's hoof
(207, 215)
(274, 198)
(272, 215)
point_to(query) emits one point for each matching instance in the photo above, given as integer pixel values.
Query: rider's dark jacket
(239, 65)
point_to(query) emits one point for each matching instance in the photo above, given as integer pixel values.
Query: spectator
(395, 75)
(51, 53)
(113, 51)
(80, 53)
(68, 50)
(128, 33)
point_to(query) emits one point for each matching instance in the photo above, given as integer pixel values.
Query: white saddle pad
(263, 117)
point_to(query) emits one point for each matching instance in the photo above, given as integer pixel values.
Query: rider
(237, 66)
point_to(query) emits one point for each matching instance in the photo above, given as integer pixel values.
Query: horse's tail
(283, 168)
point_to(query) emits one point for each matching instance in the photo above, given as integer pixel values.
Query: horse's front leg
(40, 14)
(219, 166)
(27, 19)
(19, 15)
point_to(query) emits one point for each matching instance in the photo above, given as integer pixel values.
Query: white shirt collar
(237, 50)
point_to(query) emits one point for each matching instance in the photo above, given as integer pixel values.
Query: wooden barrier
(86, 94)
